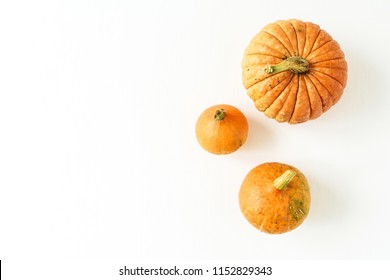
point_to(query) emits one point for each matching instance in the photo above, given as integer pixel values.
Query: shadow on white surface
(259, 136)
(327, 204)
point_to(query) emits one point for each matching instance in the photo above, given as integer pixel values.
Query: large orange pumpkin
(275, 197)
(294, 71)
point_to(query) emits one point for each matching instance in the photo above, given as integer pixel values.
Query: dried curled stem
(294, 64)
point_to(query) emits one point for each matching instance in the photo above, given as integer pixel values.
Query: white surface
(98, 157)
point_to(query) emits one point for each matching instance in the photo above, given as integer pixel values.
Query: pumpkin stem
(294, 64)
(219, 115)
(284, 179)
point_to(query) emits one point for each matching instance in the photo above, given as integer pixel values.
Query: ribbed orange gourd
(294, 71)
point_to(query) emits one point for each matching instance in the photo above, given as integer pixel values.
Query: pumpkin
(221, 129)
(275, 197)
(294, 71)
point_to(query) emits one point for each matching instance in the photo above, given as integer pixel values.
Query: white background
(98, 155)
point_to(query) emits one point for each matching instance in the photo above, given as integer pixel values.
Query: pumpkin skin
(273, 210)
(221, 129)
(294, 71)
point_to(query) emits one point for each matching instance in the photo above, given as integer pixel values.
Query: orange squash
(275, 197)
(294, 71)
(221, 129)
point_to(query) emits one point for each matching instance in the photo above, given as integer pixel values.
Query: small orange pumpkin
(294, 71)
(275, 197)
(221, 129)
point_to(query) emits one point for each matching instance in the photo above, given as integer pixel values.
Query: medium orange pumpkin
(294, 71)
(275, 197)
(221, 129)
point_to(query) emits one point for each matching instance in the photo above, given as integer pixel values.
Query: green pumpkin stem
(219, 115)
(294, 64)
(281, 182)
